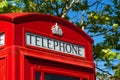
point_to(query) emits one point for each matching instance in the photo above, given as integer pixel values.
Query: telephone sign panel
(2, 39)
(52, 44)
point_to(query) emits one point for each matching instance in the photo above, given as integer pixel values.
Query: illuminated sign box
(53, 44)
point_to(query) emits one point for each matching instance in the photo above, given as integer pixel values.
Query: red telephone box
(43, 47)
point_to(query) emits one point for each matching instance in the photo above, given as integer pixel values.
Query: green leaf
(118, 56)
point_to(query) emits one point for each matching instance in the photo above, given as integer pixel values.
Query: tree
(97, 18)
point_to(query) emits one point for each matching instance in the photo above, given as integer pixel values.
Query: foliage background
(99, 18)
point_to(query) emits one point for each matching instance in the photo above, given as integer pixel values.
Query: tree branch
(56, 9)
(66, 9)
(82, 19)
(101, 33)
(104, 71)
(94, 3)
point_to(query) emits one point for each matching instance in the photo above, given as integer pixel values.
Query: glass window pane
(59, 77)
(37, 75)
(85, 79)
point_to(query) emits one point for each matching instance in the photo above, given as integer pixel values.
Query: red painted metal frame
(13, 54)
(58, 68)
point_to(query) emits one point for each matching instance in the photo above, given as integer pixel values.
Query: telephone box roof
(27, 17)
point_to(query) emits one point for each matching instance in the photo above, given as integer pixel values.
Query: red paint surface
(21, 60)
(2, 69)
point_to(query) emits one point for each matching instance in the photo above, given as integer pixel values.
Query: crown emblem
(57, 30)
